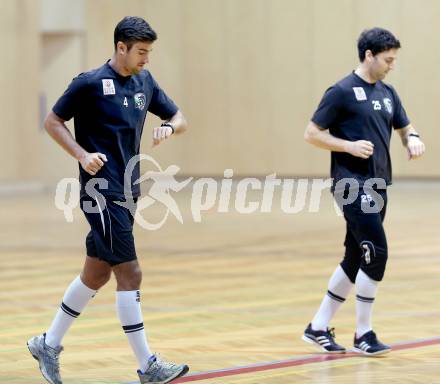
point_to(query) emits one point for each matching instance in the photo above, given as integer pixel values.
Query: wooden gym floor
(232, 291)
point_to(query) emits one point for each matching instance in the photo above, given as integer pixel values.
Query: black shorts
(365, 241)
(111, 236)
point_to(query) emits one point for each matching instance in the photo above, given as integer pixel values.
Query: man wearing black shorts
(109, 106)
(354, 120)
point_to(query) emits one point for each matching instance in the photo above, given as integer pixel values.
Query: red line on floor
(298, 361)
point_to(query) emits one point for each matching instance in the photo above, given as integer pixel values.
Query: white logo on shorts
(360, 94)
(368, 251)
(108, 87)
(163, 182)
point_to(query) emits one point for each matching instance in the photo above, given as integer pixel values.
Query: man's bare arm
(322, 138)
(56, 127)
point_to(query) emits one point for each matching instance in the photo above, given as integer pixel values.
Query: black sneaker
(369, 345)
(324, 340)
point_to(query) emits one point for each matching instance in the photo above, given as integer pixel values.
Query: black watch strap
(413, 135)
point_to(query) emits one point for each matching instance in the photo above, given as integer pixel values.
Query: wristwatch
(168, 125)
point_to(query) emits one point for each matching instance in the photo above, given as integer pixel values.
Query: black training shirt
(353, 109)
(109, 112)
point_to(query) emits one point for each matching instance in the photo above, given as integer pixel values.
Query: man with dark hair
(376, 40)
(354, 120)
(109, 106)
(131, 30)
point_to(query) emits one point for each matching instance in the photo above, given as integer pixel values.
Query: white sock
(365, 293)
(339, 287)
(128, 304)
(75, 299)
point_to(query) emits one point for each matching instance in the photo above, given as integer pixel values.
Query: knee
(135, 277)
(129, 279)
(95, 279)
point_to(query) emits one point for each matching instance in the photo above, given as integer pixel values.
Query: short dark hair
(376, 40)
(132, 29)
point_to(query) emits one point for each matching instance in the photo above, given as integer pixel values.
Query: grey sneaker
(161, 372)
(48, 358)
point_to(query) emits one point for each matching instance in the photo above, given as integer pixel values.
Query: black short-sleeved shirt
(109, 112)
(353, 109)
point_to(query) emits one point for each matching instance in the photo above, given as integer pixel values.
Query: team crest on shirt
(360, 94)
(108, 87)
(388, 105)
(139, 101)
